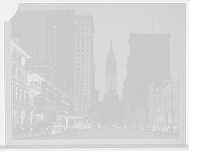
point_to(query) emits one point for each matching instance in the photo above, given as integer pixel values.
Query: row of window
(21, 95)
(20, 117)
(51, 115)
(83, 59)
(60, 36)
(82, 30)
(62, 68)
(18, 58)
(82, 77)
(82, 64)
(32, 52)
(62, 50)
(32, 39)
(81, 68)
(82, 86)
(85, 55)
(82, 82)
(82, 72)
(32, 25)
(82, 35)
(82, 96)
(55, 98)
(53, 94)
(83, 40)
(82, 45)
(61, 19)
(82, 91)
(18, 72)
(82, 50)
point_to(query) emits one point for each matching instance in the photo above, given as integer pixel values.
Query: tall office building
(149, 62)
(84, 62)
(48, 37)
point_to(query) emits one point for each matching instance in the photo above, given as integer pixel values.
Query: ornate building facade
(111, 111)
(24, 89)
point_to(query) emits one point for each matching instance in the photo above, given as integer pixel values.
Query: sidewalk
(33, 134)
(28, 135)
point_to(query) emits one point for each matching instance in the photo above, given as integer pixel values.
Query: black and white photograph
(96, 75)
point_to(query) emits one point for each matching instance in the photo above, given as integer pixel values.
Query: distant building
(176, 100)
(167, 102)
(155, 107)
(112, 110)
(125, 100)
(79, 108)
(171, 99)
(128, 111)
(149, 62)
(84, 63)
(24, 88)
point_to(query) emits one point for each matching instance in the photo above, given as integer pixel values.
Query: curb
(33, 136)
(164, 133)
(37, 136)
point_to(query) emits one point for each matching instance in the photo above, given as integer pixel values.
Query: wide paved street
(109, 133)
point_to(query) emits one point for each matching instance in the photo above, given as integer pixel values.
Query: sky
(114, 22)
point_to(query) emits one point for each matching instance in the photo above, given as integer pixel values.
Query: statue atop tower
(111, 94)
